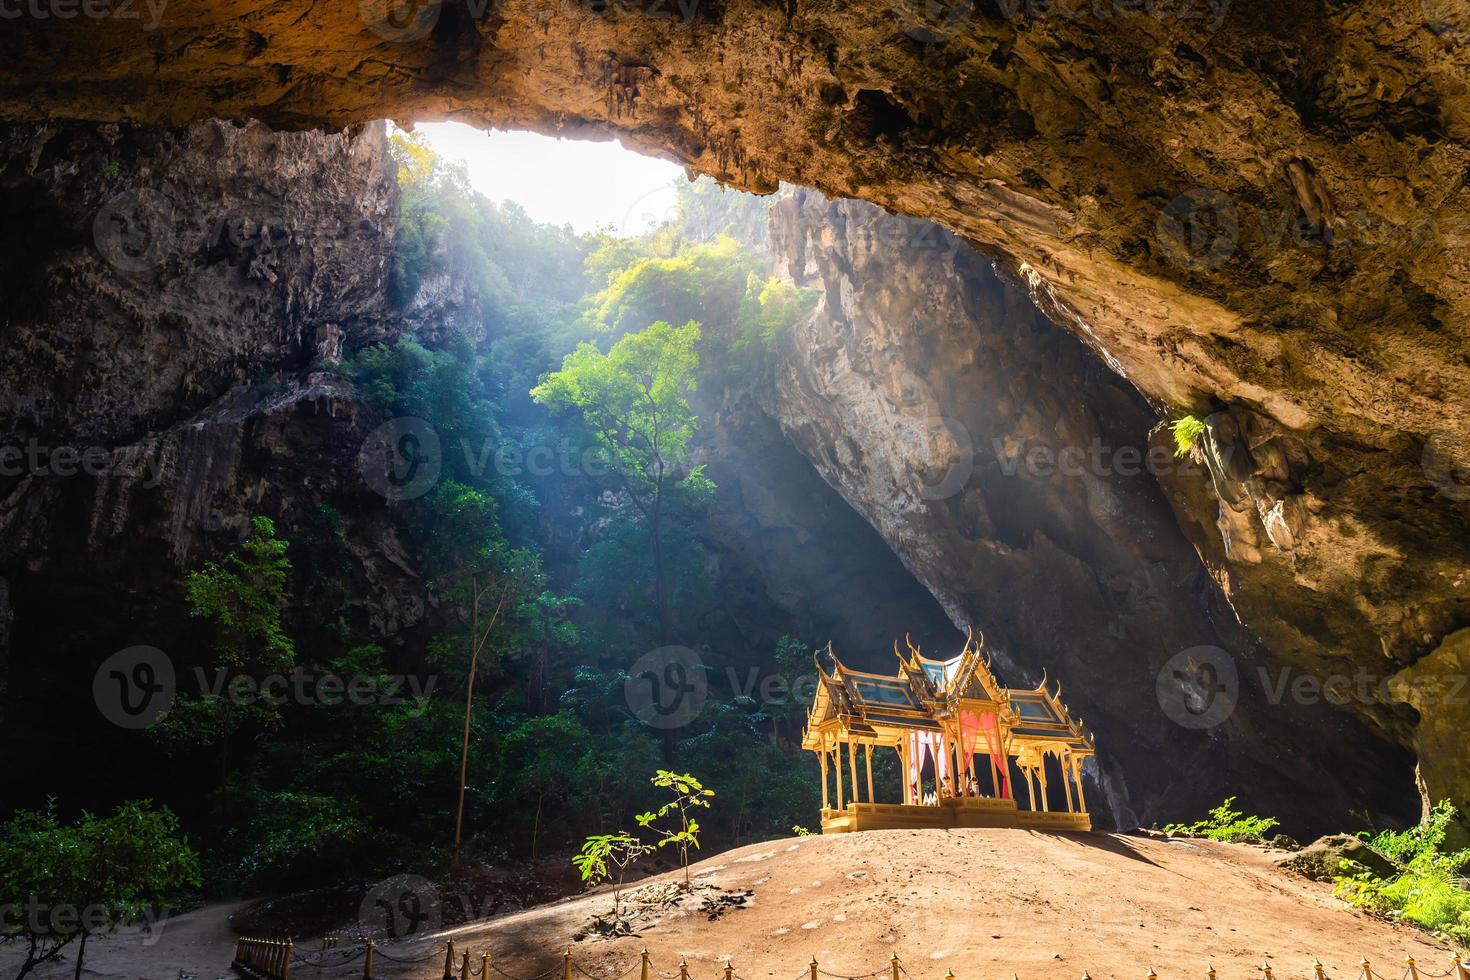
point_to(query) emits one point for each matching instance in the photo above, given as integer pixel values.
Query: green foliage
(602, 854)
(294, 836)
(800, 831)
(89, 875)
(689, 795)
(634, 399)
(242, 598)
(634, 402)
(1187, 431)
(1430, 891)
(1225, 824)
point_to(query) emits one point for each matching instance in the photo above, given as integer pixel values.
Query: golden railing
(269, 959)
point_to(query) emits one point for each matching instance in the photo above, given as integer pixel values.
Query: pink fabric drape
(974, 725)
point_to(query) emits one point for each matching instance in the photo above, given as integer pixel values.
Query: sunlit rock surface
(1011, 470)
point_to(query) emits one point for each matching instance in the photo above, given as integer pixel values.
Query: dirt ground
(196, 945)
(983, 903)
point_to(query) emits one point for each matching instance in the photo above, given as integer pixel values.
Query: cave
(1044, 242)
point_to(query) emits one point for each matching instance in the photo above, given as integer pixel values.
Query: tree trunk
(81, 953)
(536, 826)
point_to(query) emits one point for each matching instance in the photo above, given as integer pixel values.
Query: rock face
(1011, 470)
(168, 292)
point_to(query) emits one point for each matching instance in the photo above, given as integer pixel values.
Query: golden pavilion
(964, 743)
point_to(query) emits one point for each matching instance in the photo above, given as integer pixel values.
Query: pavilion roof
(924, 689)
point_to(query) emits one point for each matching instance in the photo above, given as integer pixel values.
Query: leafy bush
(88, 876)
(1186, 434)
(1225, 824)
(1430, 892)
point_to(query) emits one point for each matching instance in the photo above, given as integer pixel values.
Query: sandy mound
(983, 903)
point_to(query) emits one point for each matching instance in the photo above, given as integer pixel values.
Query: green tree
(689, 796)
(635, 401)
(242, 597)
(78, 879)
(602, 854)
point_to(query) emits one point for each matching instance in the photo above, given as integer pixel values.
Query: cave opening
(894, 436)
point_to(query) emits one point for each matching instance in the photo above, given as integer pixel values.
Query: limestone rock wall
(1010, 468)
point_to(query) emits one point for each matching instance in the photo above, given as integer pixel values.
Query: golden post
(1367, 970)
(814, 968)
(1460, 970)
(485, 964)
(1413, 970)
(367, 963)
(1266, 971)
(464, 966)
(1317, 969)
(645, 964)
(949, 975)
(683, 970)
(729, 971)
(893, 964)
(449, 960)
(566, 966)
(1211, 972)
(1152, 975)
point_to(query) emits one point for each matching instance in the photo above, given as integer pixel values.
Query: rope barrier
(270, 959)
(620, 976)
(510, 976)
